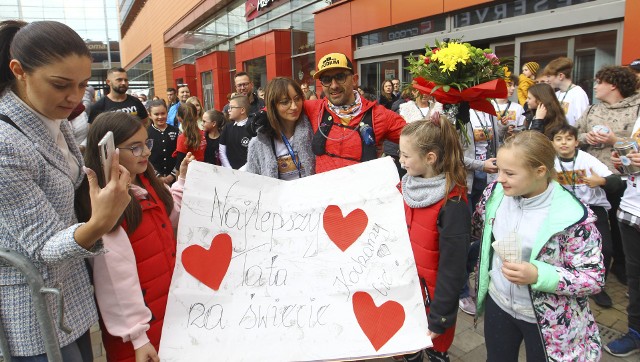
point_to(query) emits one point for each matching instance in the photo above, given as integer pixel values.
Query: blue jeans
(504, 334)
(78, 351)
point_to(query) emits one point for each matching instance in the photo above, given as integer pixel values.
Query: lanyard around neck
(567, 92)
(504, 113)
(296, 160)
(573, 172)
(420, 110)
(491, 142)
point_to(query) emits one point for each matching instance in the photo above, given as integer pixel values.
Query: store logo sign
(264, 3)
(255, 8)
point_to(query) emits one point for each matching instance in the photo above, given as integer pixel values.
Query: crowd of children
(522, 163)
(515, 192)
(520, 171)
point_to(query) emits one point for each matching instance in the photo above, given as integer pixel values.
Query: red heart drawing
(209, 266)
(344, 231)
(381, 323)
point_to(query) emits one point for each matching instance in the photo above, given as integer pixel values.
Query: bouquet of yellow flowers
(459, 73)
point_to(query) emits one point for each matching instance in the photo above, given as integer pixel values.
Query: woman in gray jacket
(282, 148)
(44, 70)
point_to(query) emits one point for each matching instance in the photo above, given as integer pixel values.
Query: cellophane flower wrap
(457, 73)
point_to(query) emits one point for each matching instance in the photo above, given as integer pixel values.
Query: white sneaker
(467, 305)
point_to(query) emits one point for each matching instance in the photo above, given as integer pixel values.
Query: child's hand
(184, 166)
(592, 181)
(595, 138)
(616, 160)
(490, 166)
(541, 111)
(432, 335)
(634, 158)
(504, 120)
(167, 179)
(520, 273)
(147, 353)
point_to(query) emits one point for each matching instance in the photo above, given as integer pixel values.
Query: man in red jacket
(347, 128)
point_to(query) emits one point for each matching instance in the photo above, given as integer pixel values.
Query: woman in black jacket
(387, 98)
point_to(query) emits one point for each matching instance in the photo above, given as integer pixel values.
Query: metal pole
(106, 32)
(37, 286)
(4, 345)
(293, 67)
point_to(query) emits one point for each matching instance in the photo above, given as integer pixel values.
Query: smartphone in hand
(107, 149)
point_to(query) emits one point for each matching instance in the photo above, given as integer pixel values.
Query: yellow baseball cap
(333, 61)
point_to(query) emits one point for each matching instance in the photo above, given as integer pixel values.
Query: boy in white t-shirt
(572, 97)
(587, 178)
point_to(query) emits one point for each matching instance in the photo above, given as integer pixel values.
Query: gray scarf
(422, 192)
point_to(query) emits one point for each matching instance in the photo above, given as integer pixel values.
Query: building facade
(592, 32)
(205, 43)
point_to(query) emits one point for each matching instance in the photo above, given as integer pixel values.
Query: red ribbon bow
(478, 96)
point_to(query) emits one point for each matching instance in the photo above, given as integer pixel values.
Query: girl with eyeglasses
(282, 148)
(132, 279)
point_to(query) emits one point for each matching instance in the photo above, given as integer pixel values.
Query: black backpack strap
(319, 141)
(11, 122)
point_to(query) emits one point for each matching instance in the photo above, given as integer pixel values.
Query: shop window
(592, 52)
(372, 74)
(141, 77)
(257, 70)
(303, 42)
(505, 51)
(303, 66)
(543, 51)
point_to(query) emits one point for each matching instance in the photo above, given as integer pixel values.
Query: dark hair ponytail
(35, 45)
(8, 30)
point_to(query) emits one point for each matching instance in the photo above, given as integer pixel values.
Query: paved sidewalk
(468, 345)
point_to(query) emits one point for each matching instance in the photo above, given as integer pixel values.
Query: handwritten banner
(319, 268)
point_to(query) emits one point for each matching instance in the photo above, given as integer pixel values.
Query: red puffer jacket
(154, 246)
(425, 242)
(347, 143)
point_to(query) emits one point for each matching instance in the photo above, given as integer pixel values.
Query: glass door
(373, 71)
(207, 90)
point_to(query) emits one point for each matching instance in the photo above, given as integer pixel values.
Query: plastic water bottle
(600, 129)
(366, 133)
